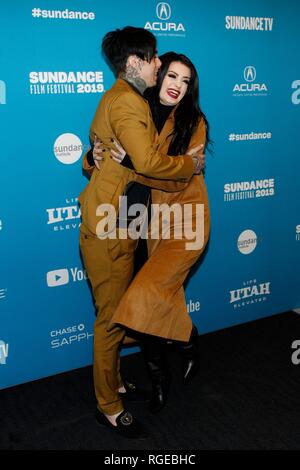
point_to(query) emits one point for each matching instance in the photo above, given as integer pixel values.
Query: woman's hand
(97, 153)
(198, 158)
(117, 153)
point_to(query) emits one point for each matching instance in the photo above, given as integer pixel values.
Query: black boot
(190, 356)
(154, 350)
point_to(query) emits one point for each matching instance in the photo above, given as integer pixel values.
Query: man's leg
(109, 266)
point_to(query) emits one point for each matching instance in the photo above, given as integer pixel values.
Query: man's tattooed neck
(131, 75)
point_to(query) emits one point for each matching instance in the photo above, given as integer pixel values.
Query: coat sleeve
(130, 123)
(172, 186)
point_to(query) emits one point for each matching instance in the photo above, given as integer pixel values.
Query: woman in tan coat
(155, 303)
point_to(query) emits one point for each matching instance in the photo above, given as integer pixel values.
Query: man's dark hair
(118, 45)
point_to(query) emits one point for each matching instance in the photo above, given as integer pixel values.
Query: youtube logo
(59, 277)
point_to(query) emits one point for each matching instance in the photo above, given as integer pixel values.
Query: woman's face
(175, 84)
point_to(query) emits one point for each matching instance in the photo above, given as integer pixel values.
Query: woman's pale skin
(173, 89)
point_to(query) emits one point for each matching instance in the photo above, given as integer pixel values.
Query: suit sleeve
(171, 186)
(130, 123)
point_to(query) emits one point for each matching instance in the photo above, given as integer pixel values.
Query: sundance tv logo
(68, 148)
(58, 83)
(163, 27)
(251, 87)
(249, 23)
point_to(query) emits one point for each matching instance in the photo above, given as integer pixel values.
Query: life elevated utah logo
(163, 27)
(250, 293)
(66, 217)
(250, 86)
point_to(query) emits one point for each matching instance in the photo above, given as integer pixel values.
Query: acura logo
(249, 73)
(163, 11)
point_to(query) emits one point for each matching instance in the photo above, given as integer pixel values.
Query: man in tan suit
(123, 114)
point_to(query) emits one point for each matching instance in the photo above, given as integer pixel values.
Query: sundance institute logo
(68, 148)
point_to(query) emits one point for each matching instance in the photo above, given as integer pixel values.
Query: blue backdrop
(51, 79)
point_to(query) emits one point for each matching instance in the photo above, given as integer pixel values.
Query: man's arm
(129, 121)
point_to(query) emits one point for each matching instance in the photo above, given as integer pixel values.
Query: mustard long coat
(155, 303)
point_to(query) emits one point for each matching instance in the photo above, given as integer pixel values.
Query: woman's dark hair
(188, 112)
(118, 45)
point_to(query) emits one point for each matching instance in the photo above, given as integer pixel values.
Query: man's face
(149, 71)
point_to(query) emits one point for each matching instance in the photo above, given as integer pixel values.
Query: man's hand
(198, 158)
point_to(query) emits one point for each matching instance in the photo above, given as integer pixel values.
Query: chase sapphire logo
(2, 92)
(249, 73)
(163, 11)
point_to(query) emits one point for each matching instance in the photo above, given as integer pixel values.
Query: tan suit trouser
(109, 264)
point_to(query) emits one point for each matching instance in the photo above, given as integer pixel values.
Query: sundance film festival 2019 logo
(57, 83)
(3, 352)
(164, 27)
(250, 87)
(250, 293)
(65, 217)
(2, 92)
(249, 189)
(296, 94)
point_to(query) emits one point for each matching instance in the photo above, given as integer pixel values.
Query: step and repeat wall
(52, 77)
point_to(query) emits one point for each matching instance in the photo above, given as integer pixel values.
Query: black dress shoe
(127, 425)
(190, 357)
(134, 394)
(160, 390)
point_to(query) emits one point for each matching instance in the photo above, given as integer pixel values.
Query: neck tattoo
(131, 75)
